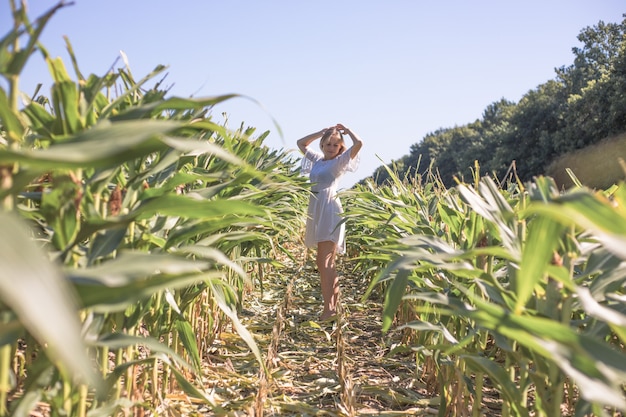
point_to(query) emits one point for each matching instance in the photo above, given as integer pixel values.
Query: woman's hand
(342, 129)
(304, 142)
(357, 143)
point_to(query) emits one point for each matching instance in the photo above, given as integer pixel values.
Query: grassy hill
(597, 166)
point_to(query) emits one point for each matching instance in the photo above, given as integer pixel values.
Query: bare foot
(328, 316)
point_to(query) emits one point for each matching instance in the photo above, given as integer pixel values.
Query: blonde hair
(326, 136)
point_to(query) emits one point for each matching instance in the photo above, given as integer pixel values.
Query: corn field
(152, 264)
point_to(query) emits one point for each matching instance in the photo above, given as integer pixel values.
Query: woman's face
(332, 146)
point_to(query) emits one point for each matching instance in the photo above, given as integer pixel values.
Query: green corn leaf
(421, 326)
(491, 205)
(10, 121)
(104, 145)
(41, 121)
(190, 207)
(501, 376)
(129, 94)
(201, 228)
(65, 101)
(104, 299)
(14, 62)
(35, 289)
(191, 390)
(214, 215)
(590, 212)
(180, 103)
(58, 71)
(393, 297)
(105, 243)
(612, 317)
(59, 207)
(133, 265)
(188, 338)
(227, 302)
(576, 354)
(115, 341)
(135, 276)
(543, 237)
(202, 251)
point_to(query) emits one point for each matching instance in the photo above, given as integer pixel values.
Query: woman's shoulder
(345, 162)
(345, 156)
(313, 155)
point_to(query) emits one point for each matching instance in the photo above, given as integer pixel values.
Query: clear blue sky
(390, 70)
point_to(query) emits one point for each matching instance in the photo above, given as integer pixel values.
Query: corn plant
(519, 286)
(137, 225)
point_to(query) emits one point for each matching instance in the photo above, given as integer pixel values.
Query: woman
(324, 227)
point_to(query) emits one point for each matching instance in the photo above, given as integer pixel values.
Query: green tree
(594, 83)
(495, 124)
(533, 121)
(601, 46)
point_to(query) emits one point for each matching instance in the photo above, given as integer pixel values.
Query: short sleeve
(347, 164)
(309, 158)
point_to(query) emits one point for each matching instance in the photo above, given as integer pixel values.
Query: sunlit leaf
(592, 213)
(187, 337)
(393, 297)
(501, 376)
(541, 241)
(65, 100)
(36, 290)
(10, 121)
(227, 302)
(104, 145)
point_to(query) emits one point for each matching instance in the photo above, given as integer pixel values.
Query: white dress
(324, 221)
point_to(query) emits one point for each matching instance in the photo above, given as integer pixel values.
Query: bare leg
(328, 274)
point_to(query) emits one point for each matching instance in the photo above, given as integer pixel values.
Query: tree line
(584, 104)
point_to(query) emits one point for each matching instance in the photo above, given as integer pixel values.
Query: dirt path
(330, 369)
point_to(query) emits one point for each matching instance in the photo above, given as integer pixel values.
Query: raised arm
(357, 143)
(304, 142)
